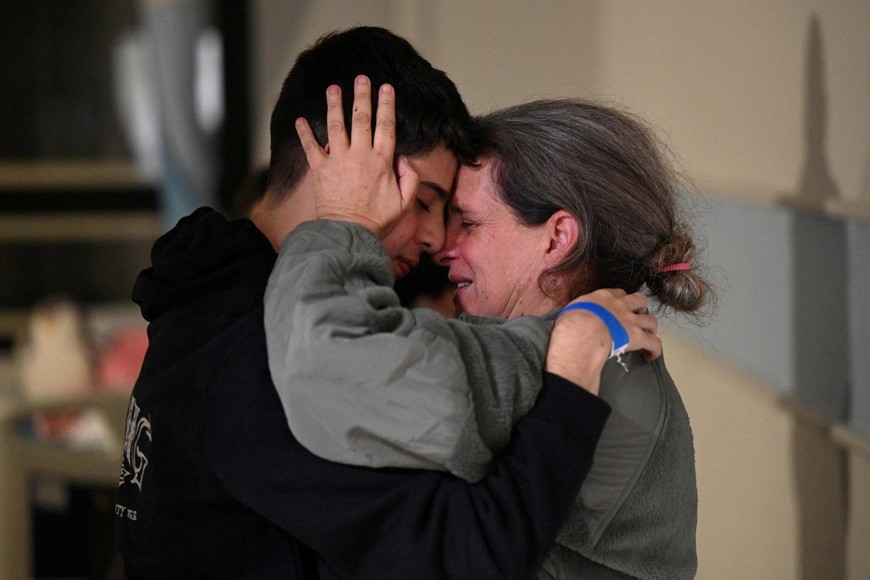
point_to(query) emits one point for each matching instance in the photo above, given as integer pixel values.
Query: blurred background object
(117, 117)
(55, 361)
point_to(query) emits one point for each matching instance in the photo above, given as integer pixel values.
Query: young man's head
(429, 109)
(433, 131)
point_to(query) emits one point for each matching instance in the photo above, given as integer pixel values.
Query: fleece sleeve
(366, 382)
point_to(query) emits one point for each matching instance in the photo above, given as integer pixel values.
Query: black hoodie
(213, 483)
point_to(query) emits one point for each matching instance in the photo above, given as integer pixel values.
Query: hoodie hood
(201, 253)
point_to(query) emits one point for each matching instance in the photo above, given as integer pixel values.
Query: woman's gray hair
(608, 169)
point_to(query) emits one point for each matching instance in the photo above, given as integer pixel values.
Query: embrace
(302, 424)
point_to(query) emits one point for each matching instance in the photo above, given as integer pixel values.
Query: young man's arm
(401, 523)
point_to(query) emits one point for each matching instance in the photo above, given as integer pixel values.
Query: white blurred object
(56, 361)
(209, 85)
(181, 60)
(92, 432)
(80, 429)
(137, 102)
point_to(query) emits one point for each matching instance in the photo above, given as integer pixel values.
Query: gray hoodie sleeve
(366, 382)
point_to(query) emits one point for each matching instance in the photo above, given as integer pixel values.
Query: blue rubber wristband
(617, 332)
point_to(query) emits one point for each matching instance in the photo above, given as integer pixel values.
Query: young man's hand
(354, 179)
(581, 343)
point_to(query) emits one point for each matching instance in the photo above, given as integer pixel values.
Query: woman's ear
(564, 233)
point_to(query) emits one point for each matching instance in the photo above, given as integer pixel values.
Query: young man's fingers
(638, 302)
(361, 123)
(312, 149)
(336, 133)
(652, 348)
(409, 182)
(385, 127)
(647, 340)
(650, 323)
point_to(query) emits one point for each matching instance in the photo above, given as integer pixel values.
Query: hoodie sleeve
(366, 382)
(402, 523)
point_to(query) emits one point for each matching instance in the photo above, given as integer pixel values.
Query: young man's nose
(430, 235)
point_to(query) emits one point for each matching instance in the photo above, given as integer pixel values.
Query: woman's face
(494, 260)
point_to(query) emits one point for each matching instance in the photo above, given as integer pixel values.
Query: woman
(567, 197)
(595, 178)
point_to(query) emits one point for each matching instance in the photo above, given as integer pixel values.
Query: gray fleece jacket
(366, 382)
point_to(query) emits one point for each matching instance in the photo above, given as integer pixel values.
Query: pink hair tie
(681, 266)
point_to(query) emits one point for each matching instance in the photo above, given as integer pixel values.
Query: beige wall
(780, 494)
(727, 81)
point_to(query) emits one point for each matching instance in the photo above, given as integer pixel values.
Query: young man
(213, 483)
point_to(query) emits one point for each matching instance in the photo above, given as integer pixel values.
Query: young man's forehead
(437, 170)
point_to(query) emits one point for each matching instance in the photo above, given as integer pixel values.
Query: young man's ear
(564, 231)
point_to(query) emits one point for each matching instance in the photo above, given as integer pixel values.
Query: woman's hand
(353, 177)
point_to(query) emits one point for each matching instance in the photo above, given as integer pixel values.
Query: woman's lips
(460, 287)
(459, 295)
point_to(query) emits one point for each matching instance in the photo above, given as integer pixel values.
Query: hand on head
(354, 179)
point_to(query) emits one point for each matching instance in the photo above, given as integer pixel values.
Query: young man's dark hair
(429, 108)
